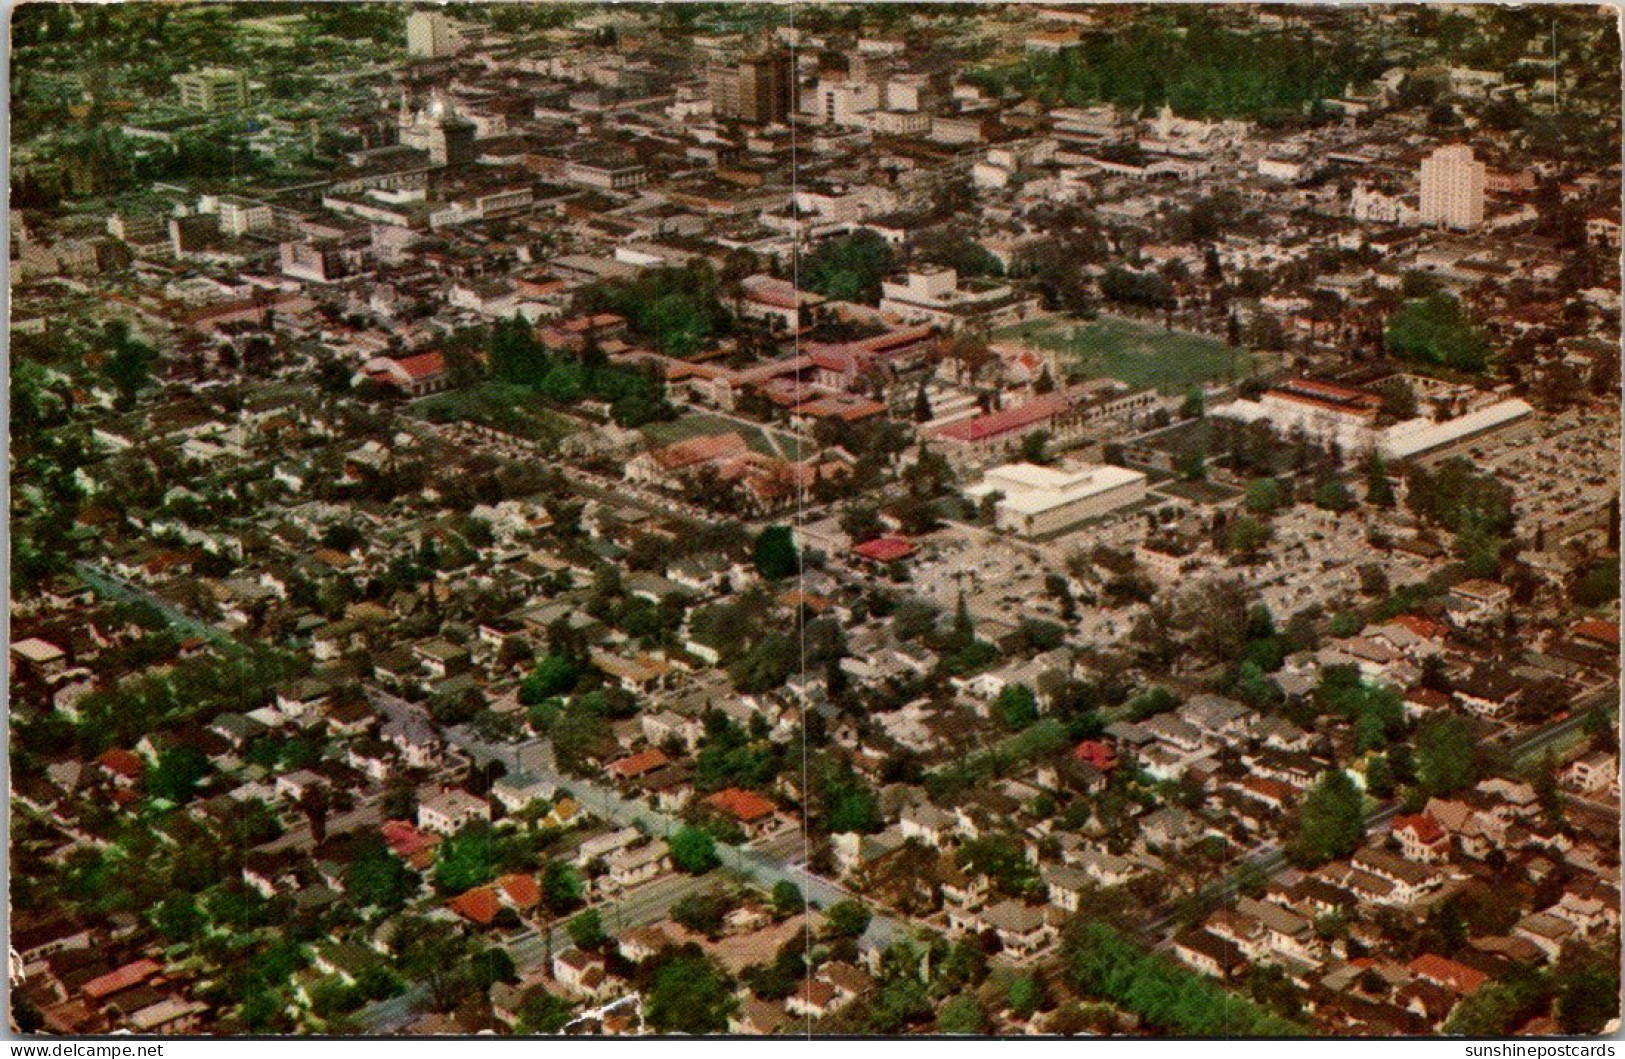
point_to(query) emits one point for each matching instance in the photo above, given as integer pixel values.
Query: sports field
(699, 424)
(1135, 353)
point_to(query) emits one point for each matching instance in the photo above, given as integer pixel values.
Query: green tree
(178, 918)
(542, 1012)
(562, 887)
(848, 268)
(1588, 999)
(848, 919)
(1027, 994)
(689, 994)
(1446, 755)
(465, 860)
(775, 553)
(176, 776)
(787, 899)
(1437, 330)
(376, 877)
(693, 850)
(1264, 496)
(1331, 821)
(1016, 707)
(962, 1016)
(587, 930)
(555, 674)
(1379, 491)
(1247, 536)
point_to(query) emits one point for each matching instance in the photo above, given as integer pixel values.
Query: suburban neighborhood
(815, 519)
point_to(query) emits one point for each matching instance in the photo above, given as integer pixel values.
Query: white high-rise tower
(1452, 188)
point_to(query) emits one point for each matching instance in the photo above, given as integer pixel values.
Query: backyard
(1138, 354)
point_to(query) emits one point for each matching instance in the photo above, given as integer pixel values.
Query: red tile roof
(1448, 973)
(1424, 826)
(744, 806)
(1005, 420)
(131, 974)
(886, 549)
(1101, 755)
(1603, 632)
(479, 905)
(405, 838)
(423, 365)
(636, 765)
(123, 762)
(520, 891)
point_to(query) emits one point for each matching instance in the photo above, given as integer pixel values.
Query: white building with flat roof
(1036, 500)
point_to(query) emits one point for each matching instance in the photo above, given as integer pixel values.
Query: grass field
(1135, 353)
(501, 406)
(700, 424)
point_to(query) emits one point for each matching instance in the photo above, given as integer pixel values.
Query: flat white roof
(1030, 489)
(1420, 435)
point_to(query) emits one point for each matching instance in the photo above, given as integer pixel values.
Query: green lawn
(1135, 353)
(501, 406)
(701, 424)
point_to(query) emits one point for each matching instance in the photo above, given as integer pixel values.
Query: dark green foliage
(962, 1016)
(689, 994)
(1446, 755)
(703, 912)
(1169, 997)
(176, 776)
(693, 851)
(1438, 331)
(678, 309)
(1598, 585)
(1016, 707)
(847, 919)
(848, 268)
(465, 860)
(555, 674)
(775, 553)
(1002, 857)
(563, 889)
(376, 877)
(1331, 821)
(587, 930)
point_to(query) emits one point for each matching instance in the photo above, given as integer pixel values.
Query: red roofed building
(125, 767)
(885, 549)
(417, 375)
(1273, 793)
(746, 807)
(479, 905)
(519, 891)
(1429, 630)
(1102, 756)
(1449, 974)
(1601, 633)
(630, 768)
(1421, 838)
(663, 466)
(414, 846)
(131, 974)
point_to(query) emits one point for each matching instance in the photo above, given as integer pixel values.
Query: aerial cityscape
(814, 519)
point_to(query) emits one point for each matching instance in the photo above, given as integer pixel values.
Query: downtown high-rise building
(431, 35)
(757, 89)
(1452, 188)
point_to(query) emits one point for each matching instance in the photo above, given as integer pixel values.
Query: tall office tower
(758, 89)
(431, 35)
(1453, 188)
